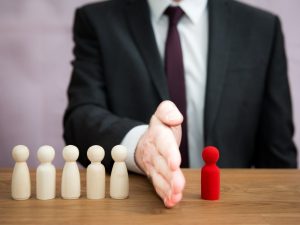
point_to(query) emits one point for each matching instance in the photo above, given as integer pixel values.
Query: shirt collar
(192, 8)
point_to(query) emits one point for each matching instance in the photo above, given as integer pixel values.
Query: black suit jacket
(118, 80)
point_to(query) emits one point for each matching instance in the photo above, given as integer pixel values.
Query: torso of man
(193, 31)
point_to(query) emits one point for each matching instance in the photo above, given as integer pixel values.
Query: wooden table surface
(247, 197)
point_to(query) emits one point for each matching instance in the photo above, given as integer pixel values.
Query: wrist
(138, 158)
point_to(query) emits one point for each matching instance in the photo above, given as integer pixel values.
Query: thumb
(168, 114)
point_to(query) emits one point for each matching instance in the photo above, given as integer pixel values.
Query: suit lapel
(219, 36)
(141, 28)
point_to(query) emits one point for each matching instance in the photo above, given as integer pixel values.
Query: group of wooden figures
(70, 181)
(95, 174)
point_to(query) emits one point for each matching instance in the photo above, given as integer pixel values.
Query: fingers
(167, 146)
(162, 187)
(176, 198)
(162, 168)
(178, 182)
(164, 190)
(168, 184)
(169, 203)
(175, 179)
(168, 114)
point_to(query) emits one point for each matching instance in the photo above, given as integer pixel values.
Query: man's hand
(158, 155)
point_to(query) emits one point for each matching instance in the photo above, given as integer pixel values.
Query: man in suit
(221, 63)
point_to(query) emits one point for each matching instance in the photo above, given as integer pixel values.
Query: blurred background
(35, 54)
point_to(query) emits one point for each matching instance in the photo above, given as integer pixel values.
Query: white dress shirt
(193, 31)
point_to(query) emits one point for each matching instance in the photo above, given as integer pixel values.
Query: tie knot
(174, 14)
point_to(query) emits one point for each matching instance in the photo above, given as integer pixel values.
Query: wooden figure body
(20, 182)
(45, 174)
(70, 181)
(210, 174)
(119, 181)
(95, 174)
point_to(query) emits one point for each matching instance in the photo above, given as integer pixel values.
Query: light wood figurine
(20, 182)
(119, 181)
(45, 174)
(95, 174)
(70, 181)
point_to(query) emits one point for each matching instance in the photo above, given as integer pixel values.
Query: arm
(88, 119)
(275, 147)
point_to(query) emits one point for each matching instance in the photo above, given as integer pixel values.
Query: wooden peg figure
(45, 174)
(95, 173)
(210, 174)
(70, 181)
(119, 181)
(20, 182)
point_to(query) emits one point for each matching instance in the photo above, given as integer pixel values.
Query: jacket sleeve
(275, 146)
(88, 119)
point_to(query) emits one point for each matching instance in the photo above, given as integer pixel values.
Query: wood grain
(247, 197)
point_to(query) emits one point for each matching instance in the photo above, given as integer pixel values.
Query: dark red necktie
(175, 75)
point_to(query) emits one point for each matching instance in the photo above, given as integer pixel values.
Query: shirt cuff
(130, 141)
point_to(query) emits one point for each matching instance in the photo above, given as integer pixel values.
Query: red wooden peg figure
(210, 174)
